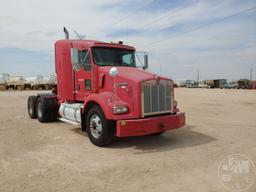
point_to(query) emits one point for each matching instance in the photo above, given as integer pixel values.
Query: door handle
(77, 87)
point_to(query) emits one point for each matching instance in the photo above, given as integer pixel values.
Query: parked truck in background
(209, 83)
(253, 84)
(100, 88)
(231, 85)
(219, 83)
(243, 84)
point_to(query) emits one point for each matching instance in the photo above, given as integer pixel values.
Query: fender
(106, 102)
(51, 101)
(102, 100)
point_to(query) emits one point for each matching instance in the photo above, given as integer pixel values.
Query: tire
(41, 110)
(99, 129)
(46, 113)
(31, 107)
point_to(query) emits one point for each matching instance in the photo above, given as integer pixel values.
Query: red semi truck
(100, 88)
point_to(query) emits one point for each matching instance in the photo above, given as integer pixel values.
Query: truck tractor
(102, 90)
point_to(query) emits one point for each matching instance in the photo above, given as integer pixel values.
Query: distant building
(216, 83)
(219, 83)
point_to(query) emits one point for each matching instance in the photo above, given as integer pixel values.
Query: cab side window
(84, 59)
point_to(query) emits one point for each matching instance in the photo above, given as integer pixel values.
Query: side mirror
(74, 56)
(145, 66)
(74, 59)
(140, 55)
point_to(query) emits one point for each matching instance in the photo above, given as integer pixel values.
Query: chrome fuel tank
(71, 112)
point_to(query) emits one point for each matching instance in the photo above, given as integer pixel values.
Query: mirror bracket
(145, 66)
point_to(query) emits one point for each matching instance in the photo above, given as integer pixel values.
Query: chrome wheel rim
(95, 126)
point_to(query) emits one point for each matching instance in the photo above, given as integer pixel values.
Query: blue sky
(218, 37)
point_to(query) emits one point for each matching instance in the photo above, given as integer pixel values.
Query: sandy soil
(58, 157)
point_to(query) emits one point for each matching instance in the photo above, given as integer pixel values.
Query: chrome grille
(157, 97)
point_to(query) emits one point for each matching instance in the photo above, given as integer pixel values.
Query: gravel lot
(58, 157)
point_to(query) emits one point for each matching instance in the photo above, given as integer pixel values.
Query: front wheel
(99, 129)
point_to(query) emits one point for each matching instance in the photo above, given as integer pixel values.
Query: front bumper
(146, 126)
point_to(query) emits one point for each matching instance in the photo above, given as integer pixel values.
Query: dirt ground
(58, 157)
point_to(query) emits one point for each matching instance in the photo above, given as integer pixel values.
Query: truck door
(83, 76)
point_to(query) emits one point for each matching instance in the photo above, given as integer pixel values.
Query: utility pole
(198, 75)
(251, 74)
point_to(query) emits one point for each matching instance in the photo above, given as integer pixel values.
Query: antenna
(79, 36)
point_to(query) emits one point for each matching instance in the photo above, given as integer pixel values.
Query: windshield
(105, 56)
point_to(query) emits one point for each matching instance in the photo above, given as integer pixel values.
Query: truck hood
(130, 94)
(132, 73)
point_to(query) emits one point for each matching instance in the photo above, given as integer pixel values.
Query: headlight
(118, 109)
